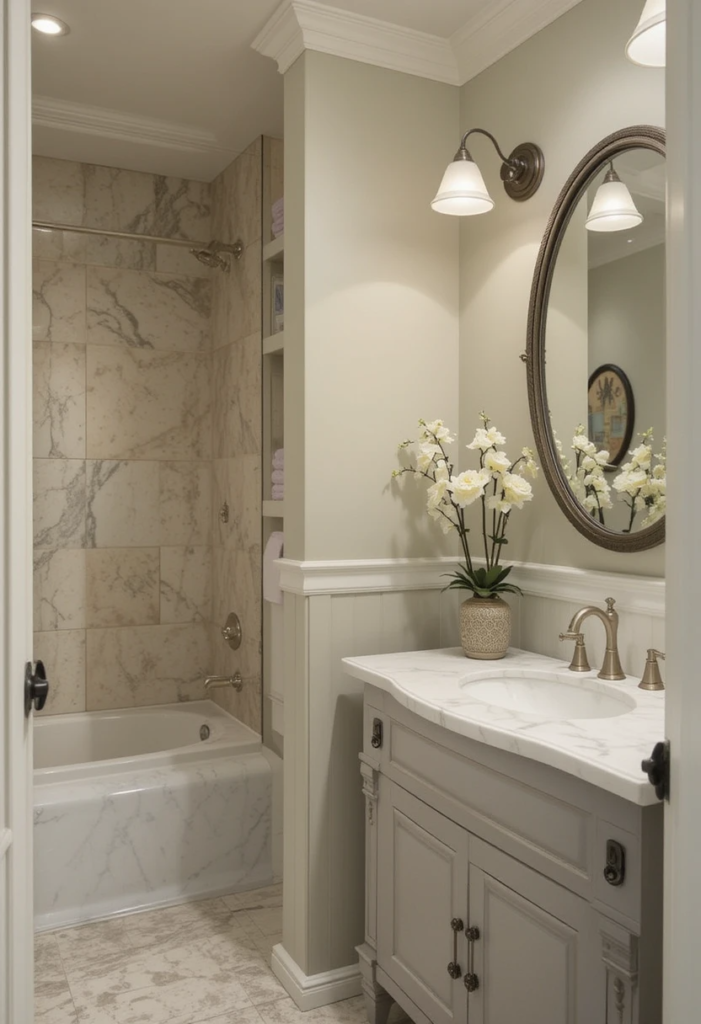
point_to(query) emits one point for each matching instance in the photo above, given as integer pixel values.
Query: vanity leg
(378, 1002)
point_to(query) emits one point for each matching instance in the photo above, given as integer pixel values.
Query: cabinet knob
(376, 738)
(472, 982)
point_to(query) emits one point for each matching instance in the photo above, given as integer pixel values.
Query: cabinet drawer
(558, 831)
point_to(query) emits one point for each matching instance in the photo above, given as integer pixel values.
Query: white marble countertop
(607, 752)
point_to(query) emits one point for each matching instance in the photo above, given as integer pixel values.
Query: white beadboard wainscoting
(336, 609)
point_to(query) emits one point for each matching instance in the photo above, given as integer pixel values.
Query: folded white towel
(278, 229)
(271, 571)
(278, 492)
(278, 476)
(278, 207)
(279, 459)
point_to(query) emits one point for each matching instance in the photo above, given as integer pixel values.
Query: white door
(16, 961)
(682, 992)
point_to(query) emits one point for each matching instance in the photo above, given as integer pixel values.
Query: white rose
(516, 489)
(630, 481)
(642, 455)
(659, 472)
(469, 486)
(438, 430)
(436, 493)
(497, 462)
(532, 468)
(485, 439)
(602, 457)
(590, 503)
(581, 443)
(427, 453)
(588, 463)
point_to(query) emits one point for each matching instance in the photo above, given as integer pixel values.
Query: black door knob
(656, 767)
(36, 687)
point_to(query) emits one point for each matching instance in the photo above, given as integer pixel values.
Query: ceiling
(174, 87)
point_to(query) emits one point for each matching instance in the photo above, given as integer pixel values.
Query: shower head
(210, 255)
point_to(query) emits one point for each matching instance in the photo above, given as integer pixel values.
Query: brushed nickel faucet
(611, 667)
(235, 681)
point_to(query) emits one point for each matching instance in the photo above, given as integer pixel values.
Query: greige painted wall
(565, 89)
(371, 323)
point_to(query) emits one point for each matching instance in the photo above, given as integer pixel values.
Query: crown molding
(299, 25)
(113, 124)
(499, 27)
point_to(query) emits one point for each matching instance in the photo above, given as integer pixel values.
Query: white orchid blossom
(498, 484)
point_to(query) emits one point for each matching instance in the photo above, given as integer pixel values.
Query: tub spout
(236, 681)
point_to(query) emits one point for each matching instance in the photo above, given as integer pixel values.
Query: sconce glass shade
(462, 192)
(613, 208)
(647, 44)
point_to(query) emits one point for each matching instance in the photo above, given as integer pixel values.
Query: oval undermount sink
(553, 698)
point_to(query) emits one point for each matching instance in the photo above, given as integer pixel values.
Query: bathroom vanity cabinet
(501, 890)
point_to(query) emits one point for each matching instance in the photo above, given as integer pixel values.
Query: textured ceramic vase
(485, 627)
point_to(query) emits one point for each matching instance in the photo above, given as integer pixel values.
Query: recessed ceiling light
(48, 25)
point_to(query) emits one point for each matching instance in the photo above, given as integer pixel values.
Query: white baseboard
(310, 991)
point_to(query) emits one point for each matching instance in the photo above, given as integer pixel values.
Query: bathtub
(149, 806)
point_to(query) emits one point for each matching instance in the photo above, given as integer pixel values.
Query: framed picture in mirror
(611, 412)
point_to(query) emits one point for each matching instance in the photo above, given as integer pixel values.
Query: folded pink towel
(278, 476)
(278, 492)
(279, 459)
(278, 207)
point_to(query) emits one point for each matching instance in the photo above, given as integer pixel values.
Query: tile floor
(194, 963)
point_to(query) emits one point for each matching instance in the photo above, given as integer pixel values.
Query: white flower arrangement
(499, 485)
(641, 482)
(587, 479)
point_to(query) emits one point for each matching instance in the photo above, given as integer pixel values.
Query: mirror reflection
(605, 344)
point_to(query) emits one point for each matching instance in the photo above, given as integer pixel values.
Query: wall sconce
(613, 208)
(462, 192)
(647, 44)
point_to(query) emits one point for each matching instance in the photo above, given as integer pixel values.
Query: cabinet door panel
(534, 955)
(422, 886)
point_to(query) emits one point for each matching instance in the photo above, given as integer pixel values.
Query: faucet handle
(610, 604)
(580, 662)
(652, 680)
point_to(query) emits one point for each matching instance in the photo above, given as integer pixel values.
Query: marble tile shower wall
(122, 439)
(237, 433)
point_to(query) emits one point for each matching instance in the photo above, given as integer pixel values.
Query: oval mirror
(596, 343)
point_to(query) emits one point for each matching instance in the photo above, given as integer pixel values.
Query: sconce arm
(482, 131)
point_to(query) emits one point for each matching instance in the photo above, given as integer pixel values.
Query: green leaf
(503, 573)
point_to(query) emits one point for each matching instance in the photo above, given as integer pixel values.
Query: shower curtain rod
(79, 229)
